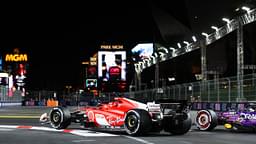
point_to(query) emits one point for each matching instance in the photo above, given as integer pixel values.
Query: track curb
(84, 133)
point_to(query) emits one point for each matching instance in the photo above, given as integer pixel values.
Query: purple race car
(207, 120)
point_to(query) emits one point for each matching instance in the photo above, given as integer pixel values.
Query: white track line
(139, 140)
(46, 129)
(90, 133)
(8, 126)
(85, 133)
(5, 129)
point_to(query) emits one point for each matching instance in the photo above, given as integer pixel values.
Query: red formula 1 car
(134, 117)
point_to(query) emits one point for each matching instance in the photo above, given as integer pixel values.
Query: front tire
(206, 120)
(60, 118)
(137, 122)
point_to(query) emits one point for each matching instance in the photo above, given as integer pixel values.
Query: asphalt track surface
(21, 125)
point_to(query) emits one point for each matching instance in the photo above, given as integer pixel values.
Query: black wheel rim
(56, 118)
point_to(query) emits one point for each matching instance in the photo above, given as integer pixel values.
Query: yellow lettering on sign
(16, 57)
(117, 47)
(111, 46)
(93, 63)
(105, 47)
(93, 59)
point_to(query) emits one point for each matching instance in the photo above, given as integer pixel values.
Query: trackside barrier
(219, 106)
(6, 103)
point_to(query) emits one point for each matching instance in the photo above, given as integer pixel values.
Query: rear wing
(174, 105)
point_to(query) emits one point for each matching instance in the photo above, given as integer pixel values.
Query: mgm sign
(16, 57)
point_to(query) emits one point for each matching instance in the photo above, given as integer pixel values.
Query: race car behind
(245, 120)
(134, 117)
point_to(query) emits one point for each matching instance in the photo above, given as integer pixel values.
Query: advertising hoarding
(112, 65)
(143, 51)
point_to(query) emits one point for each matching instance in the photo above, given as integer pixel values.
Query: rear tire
(137, 122)
(60, 118)
(178, 125)
(206, 120)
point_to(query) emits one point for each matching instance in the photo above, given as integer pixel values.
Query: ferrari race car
(133, 117)
(207, 120)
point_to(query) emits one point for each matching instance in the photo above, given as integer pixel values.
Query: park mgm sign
(111, 47)
(16, 57)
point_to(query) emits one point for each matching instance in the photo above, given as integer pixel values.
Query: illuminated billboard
(143, 51)
(92, 72)
(1, 64)
(112, 65)
(16, 57)
(91, 83)
(4, 78)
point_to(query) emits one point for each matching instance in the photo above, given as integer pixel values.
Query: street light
(194, 38)
(178, 44)
(228, 23)
(161, 54)
(187, 48)
(185, 42)
(215, 28)
(155, 54)
(226, 20)
(173, 51)
(154, 59)
(206, 37)
(163, 48)
(246, 9)
(141, 65)
(205, 34)
(68, 87)
(217, 31)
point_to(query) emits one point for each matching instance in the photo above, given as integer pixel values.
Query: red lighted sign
(114, 71)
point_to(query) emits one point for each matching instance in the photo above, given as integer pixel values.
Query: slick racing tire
(60, 118)
(206, 120)
(178, 125)
(137, 122)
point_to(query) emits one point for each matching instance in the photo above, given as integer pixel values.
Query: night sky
(59, 35)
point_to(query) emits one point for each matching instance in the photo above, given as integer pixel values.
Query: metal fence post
(209, 91)
(192, 90)
(218, 90)
(185, 87)
(179, 91)
(200, 90)
(229, 89)
(174, 92)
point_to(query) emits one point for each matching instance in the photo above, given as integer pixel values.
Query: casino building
(13, 73)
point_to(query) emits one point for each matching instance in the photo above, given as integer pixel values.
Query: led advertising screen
(4, 78)
(91, 83)
(92, 72)
(112, 65)
(143, 51)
